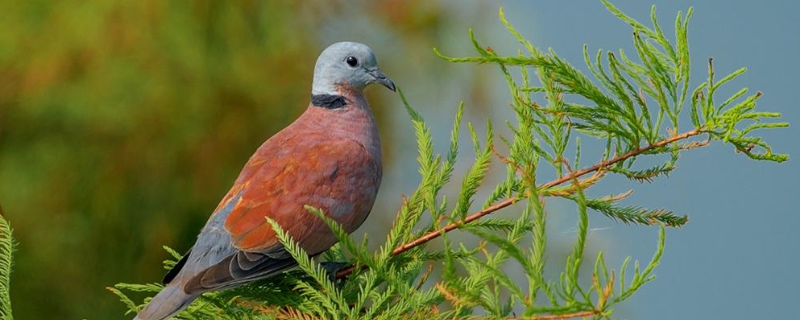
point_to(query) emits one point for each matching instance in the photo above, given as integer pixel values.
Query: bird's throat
(328, 101)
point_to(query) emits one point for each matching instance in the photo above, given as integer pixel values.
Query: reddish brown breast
(329, 159)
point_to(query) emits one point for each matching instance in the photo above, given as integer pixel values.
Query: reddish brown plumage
(329, 159)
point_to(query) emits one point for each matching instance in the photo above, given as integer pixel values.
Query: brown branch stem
(559, 316)
(507, 202)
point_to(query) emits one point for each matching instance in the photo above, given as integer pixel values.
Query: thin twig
(559, 316)
(505, 203)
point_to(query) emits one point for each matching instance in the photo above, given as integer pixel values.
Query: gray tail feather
(171, 300)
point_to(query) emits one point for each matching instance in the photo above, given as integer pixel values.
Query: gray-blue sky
(738, 256)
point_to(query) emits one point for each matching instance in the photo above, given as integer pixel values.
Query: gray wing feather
(213, 263)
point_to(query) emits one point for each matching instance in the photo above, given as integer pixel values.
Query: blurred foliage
(123, 123)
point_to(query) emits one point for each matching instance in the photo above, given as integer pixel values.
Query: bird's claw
(333, 267)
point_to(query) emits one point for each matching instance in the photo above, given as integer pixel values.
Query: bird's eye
(351, 61)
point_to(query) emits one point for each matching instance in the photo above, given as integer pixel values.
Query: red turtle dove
(329, 158)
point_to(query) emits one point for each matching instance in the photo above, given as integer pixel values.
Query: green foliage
(6, 261)
(122, 123)
(634, 108)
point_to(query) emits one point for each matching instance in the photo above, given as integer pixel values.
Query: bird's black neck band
(328, 101)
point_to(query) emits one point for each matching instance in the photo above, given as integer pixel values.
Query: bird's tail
(171, 300)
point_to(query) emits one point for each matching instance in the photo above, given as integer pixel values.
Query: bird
(328, 158)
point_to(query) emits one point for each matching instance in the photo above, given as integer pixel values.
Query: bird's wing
(335, 175)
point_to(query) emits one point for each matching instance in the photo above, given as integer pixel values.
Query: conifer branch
(559, 316)
(6, 260)
(505, 203)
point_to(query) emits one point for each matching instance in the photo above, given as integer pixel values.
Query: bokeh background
(122, 123)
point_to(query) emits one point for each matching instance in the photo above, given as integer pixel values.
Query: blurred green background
(122, 124)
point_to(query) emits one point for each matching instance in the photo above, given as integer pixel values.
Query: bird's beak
(381, 78)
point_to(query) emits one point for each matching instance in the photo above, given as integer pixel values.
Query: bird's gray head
(350, 63)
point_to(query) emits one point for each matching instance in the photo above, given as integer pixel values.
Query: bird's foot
(332, 267)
